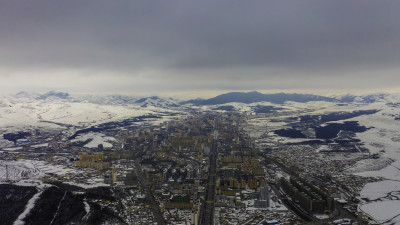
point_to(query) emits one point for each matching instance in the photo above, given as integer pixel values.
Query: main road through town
(149, 195)
(208, 207)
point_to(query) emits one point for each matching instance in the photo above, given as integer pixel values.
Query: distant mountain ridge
(154, 101)
(165, 102)
(157, 102)
(50, 94)
(62, 95)
(254, 96)
(371, 98)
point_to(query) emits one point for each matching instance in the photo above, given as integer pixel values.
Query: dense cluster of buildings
(93, 161)
(161, 172)
(310, 198)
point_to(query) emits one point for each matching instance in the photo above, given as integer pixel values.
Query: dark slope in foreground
(13, 200)
(59, 204)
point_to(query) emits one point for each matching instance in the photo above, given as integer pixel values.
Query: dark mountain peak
(255, 96)
(62, 95)
(23, 94)
(141, 100)
(155, 98)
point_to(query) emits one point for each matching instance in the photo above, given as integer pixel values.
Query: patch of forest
(15, 136)
(290, 133)
(13, 200)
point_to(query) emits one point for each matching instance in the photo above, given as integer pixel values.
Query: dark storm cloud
(237, 44)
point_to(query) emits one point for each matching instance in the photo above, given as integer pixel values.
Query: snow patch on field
(384, 133)
(29, 173)
(383, 211)
(28, 169)
(90, 183)
(87, 207)
(40, 145)
(381, 189)
(391, 172)
(97, 138)
(12, 149)
(382, 138)
(37, 113)
(369, 165)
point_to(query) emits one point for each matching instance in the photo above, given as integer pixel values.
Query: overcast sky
(114, 46)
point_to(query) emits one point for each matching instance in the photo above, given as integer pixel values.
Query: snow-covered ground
(384, 212)
(365, 166)
(96, 140)
(383, 138)
(31, 169)
(380, 190)
(38, 113)
(90, 183)
(29, 113)
(29, 173)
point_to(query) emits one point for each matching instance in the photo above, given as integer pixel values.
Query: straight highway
(149, 195)
(208, 208)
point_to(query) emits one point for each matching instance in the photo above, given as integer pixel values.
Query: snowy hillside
(36, 112)
(153, 101)
(25, 109)
(55, 112)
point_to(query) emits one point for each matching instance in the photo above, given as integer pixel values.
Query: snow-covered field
(31, 169)
(384, 212)
(39, 113)
(96, 140)
(29, 173)
(382, 137)
(55, 115)
(380, 190)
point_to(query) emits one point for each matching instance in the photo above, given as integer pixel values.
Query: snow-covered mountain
(157, 102)
(153, 101)
(282, 98)
(51, 95)
(254, 96)
(369, 98)
(163, 102)
(57, 110)
(32, 109)
(107, 99)
(26, 95)
(54, 94)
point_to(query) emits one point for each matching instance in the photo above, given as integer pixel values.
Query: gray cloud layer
(177, 45)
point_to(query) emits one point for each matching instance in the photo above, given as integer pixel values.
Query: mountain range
(254, 96)
(163, 102)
